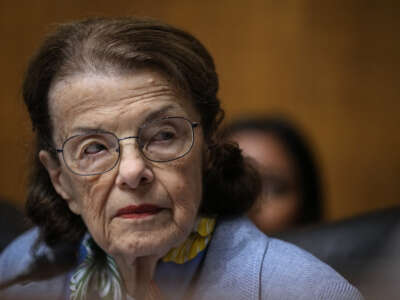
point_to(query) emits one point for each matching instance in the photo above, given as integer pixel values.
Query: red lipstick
(138, 211)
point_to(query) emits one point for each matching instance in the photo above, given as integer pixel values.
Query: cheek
(91, 194)
(187, 195)
(185, 189)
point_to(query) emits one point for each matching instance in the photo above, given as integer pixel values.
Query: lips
(138, 211)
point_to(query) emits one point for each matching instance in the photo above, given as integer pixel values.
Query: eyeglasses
(161, 140)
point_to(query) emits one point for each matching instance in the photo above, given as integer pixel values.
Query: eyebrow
(151, 117)
(156, 114)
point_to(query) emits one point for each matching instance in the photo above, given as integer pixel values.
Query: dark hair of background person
(299, 150)
(123, 45)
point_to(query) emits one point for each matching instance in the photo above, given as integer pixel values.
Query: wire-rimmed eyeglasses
(161, 140)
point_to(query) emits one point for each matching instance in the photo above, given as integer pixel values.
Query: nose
(133, 170)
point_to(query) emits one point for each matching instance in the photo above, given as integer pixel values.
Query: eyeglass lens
(160, 141)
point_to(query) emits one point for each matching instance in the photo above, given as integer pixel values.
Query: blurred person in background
(291, 194)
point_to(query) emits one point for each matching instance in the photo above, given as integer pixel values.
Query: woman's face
(278, 206)
(140, 207)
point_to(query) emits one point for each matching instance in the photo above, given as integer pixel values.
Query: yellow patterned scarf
(194, 244)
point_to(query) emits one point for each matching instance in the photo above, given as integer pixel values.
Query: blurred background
(333, 67)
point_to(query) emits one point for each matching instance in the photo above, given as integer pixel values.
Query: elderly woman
(132, 194)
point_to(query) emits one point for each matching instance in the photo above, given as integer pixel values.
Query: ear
(57, 179)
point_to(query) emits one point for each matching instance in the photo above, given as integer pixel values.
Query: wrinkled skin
(121, 104)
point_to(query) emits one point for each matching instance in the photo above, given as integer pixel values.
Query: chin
(147, 243)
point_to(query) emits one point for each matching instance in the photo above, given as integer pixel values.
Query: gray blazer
(240, 263)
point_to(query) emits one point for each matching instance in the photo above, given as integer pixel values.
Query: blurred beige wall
(332, 66)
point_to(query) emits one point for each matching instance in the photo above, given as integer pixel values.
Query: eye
(160, 139)
(163, 135)
(94, 148)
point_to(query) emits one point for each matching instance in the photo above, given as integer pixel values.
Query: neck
(138, 277)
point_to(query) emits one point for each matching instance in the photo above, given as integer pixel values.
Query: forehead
(107, 100)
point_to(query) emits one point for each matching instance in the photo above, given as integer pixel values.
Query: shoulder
(17, 257)
(238, 240)
(30, 271)
(301, 275)
(230, 269)
(244, 263)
